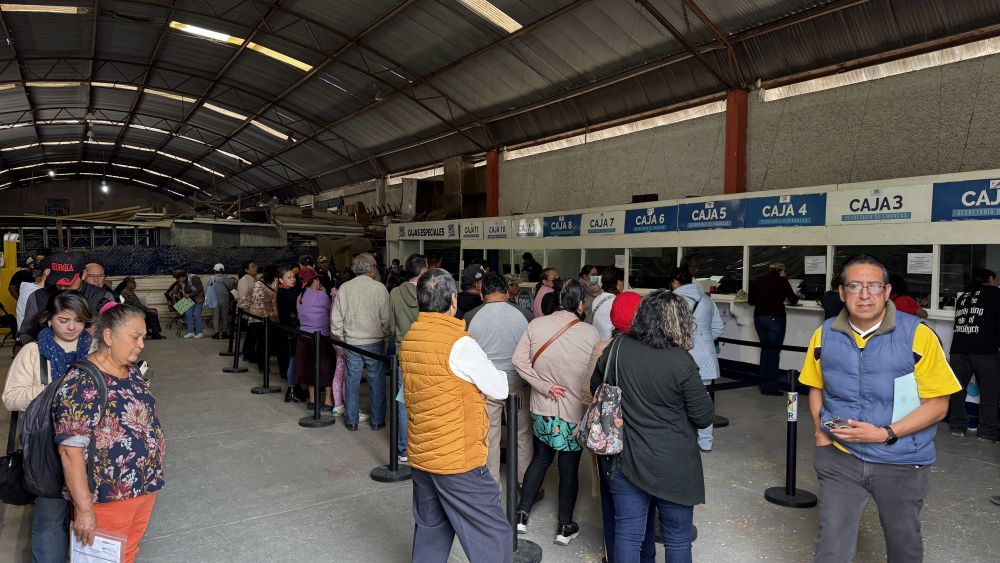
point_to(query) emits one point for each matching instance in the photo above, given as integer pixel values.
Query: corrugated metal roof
(577, 63)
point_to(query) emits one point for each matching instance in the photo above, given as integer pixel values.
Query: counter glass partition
(518, 260)
(649, 268)
(909, 261)
(958, 261)
(601, 257)
(813, 285)
(566, 262)
(716, 266)
(443, 254)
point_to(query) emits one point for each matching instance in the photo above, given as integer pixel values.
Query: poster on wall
(562, 225)
(472, 230)
(815, 265)
(651, 219)
(528, 227)
(721, 214)
(919, 263)
(802, 210)
(966, 201)
(497, 229)
(879, 205)
(604, 222)
(421, 231)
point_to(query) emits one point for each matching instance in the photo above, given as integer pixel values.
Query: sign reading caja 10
(968, 200)
(805, 210)
(497, 229)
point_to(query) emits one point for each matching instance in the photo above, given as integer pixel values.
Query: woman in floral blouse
(128, 440)
(261, 302)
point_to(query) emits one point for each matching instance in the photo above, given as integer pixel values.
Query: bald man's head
(93, 274)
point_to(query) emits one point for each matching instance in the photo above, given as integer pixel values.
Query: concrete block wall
(934, 121)
(674, 161)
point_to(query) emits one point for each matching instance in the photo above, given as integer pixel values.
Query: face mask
(595, 280)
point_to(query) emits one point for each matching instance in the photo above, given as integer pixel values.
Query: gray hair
(866, 260)
(113, 319)
(434, 291)
(363, 264)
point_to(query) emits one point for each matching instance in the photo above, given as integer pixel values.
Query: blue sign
(806, 210)
(651, 219)
(562, 225)
(965, 201)
(724, 214)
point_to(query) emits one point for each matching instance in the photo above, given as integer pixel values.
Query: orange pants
(126, 518)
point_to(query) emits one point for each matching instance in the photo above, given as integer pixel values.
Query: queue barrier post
(232, 330)
(393, 472)
(266, 387)
(317, 420)
(236, 350)
(525, 551)
(789, 495)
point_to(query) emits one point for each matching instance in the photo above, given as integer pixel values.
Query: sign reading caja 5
(562, 225)
(968, 200)
(806, 210)
(651, 219)
(723, 214)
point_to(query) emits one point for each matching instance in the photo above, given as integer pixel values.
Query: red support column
(736, 142)
(492, 184)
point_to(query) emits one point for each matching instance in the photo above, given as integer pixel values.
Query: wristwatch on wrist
(892, 435)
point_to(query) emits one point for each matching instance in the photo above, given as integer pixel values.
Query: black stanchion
(233, 329)
(266, 388)
(789, 495)
(720, 421)
(525, 551)
(317, 420)
(393, 472)
(236, 349)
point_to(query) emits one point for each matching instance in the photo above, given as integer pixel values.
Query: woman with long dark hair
(663, 404)
(552, 356)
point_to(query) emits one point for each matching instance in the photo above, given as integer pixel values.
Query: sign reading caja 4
(562, 225)
(651, 219)
(806, 210)
(968, 200)
(604, 222)
(723, 214)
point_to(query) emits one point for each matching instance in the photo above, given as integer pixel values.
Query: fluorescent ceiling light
(224, 111)
(171, 96)
(492, 14)
(51, 84)
(269, 130)
(69, 10)
(232, 40)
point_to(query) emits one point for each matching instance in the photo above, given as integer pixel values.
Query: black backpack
(43, 474)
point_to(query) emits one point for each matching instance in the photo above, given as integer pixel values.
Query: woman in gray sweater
(663, 403)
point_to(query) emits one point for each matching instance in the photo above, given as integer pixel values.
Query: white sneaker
(404, 459)
(189, 335)
(338, 410)
(363, 416)
(199, 335)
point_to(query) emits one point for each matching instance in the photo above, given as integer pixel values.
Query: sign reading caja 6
(965, 201)
(651, 219)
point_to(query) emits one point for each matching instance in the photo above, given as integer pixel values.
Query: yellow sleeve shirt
(932, 372)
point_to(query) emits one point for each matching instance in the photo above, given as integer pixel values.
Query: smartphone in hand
(836, 422)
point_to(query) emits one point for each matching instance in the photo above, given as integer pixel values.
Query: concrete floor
(246, 483)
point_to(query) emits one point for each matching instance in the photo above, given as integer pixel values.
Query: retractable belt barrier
(788, 495)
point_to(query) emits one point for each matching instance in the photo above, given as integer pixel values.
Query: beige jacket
(23, 380)
(361, 313)
(564, 363)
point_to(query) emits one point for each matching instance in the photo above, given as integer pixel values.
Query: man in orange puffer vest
(445, 377)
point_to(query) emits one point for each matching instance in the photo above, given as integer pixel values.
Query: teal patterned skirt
(555, 432)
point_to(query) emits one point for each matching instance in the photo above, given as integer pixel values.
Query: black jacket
(663, 403)
(977, 322)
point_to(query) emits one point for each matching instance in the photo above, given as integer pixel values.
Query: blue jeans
(770, 330)
(192, 317)
(290, 374)
(647, 553)
(705, 439)
(632, 515)
(50, 530)
(401, 444)
(376, 383)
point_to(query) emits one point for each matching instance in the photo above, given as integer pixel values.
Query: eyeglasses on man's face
(95, 277)
(873, 288)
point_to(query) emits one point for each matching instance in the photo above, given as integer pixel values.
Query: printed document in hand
(107, 548)
(905, 398)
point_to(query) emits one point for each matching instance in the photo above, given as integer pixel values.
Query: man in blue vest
(879, 383)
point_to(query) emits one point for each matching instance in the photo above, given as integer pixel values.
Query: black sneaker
(567, 533)
(522, 522)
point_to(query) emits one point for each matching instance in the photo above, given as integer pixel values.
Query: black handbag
(12, 489)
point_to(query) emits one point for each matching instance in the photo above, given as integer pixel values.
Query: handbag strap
(615, 345)
(12, 434)
(553, 339)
